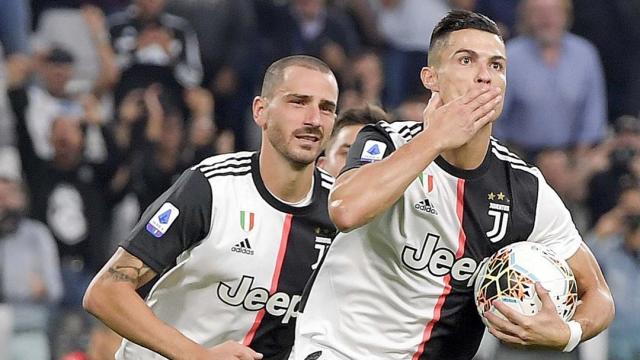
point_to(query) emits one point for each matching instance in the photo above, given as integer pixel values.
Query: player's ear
(321, 161)
(259, 108)
(429, 78)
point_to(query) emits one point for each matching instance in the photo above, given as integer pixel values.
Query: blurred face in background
(56, 76)
(67, 138)
(12, 204)
(172, 133)
(150, 8)
(310, 9)
(467, 59)
(337, 149)
(546, 20)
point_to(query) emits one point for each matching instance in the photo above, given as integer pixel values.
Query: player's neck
(285, 181)
(471, 155)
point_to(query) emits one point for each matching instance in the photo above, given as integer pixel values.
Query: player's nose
(483, 76)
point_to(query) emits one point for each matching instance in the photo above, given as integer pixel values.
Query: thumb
(545, 298)
(434, 103)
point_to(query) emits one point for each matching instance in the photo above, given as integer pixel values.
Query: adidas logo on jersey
(243, 247)
(425, 206)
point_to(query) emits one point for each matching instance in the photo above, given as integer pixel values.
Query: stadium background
(136, 96)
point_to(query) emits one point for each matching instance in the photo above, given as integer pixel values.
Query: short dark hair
(368, 114)
(459, 20)
(275, 72)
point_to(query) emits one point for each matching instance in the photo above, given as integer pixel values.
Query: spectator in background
(227, 33)
(412, 108)
(613, 27)
(14, 26)
(30, 279)
(84, 34)
(364, 82)
(169, 146)
(556, 96)
(70, 193)
(50, 98)
(154, 46)
(615, 241)
(503, 12)
(345, 129)
(623, 152)
(405, 26)
(314, 28)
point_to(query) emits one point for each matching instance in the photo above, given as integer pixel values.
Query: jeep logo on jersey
(258, 298)
(439, 261)
(426, 206)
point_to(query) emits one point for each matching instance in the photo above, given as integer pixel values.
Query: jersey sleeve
(553, 225)
(372, 144)
(173, 223)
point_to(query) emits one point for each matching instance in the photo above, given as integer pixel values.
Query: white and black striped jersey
(401, 286)
(234, 260)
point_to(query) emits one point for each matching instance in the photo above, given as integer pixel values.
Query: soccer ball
(510, 276)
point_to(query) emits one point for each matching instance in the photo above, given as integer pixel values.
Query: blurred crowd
(104, 103)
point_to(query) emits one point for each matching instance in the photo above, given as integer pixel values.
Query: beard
(285, 144)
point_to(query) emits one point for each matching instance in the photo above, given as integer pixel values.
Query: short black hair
(275, 72)
(459, 20)
(366, 115)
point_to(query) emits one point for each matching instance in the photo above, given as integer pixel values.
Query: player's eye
(297, 101)
(326, 110)
(465, 60)
(497, 66)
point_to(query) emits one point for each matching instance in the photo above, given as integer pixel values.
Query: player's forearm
(595, 312)
(360, 196)
(122, 309)
(596, 309)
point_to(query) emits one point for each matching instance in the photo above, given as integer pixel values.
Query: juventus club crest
(499, 211)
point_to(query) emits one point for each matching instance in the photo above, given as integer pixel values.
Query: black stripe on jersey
(226, 165)
(228, 168)
(458, 333)
(409, 131)
(503, 153)
(236, 163)
(223, 161)
(229, 173)
(272, 337)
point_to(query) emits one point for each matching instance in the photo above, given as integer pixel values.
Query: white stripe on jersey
(512, 160)
(230, 170)
(232, 161)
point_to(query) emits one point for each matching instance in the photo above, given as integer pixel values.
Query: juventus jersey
(234, 260)
(401, 286)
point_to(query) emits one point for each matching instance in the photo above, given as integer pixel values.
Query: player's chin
(305, 155)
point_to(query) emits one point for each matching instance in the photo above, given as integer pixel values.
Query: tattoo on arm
(116, 272)
(124, 267)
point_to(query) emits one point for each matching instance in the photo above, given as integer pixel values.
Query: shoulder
(579, 45)
(518, 45)
(238, 164)
(404, 130)
(512, 161)
(36, 231)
